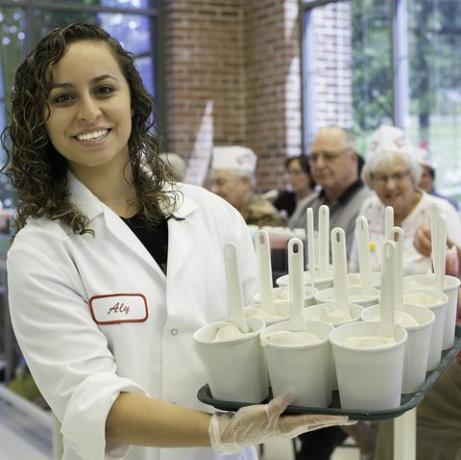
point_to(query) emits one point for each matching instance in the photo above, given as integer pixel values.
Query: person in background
(301, 185)
(334, 164)
(427, 181)
(176, 164)
(232, 177)
(114, 265)
(394, 173)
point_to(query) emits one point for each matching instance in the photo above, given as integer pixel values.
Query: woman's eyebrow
(94, 80)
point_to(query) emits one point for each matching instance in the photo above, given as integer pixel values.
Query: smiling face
(393, 183)
(90, 111)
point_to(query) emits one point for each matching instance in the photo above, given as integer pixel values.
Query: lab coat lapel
(94, 209)
(182, 233)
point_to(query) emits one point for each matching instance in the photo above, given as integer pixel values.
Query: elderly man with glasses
(335, 168)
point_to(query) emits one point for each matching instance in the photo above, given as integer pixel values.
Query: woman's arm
(138, 419)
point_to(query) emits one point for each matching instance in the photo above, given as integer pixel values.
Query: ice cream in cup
(417, 321)
(233, 360)
(438, 280)
(427, 283)
(230, 350)
(437, 304)
(369, 356)
(297, 352)
(299, 361)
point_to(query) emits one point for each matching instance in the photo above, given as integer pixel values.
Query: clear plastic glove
(230, 432)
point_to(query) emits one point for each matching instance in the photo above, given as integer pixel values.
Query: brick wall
(232, 77)
(332, 88)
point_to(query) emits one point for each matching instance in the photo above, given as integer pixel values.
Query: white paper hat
(420, 155)
(234, 157)
(388, 139)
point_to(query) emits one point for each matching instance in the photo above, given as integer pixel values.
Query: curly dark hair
(39, 172)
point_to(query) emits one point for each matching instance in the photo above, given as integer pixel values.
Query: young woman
(114, 266)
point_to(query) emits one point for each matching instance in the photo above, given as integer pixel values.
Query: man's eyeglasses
(397, 177)
(326, 155)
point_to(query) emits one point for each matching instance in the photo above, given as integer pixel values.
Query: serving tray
(408, 401)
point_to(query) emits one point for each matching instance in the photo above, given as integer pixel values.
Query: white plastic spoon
(296, 273)
(441, 253)
(234, 287)
(387, 302)
(434, 214)
(338, 247)
(363, 246)
(310, 244)
(324, 240)
(397, 236)
(263, 254)
(388, 222)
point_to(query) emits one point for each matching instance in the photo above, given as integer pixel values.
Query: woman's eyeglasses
(397, 177)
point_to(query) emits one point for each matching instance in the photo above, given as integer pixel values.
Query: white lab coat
(64, 290)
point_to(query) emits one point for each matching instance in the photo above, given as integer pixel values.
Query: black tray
(408, 401)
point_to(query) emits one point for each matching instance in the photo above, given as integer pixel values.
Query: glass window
(351, 67)
(128, 4)
(133, 31)
(434, 33)
(12, 52)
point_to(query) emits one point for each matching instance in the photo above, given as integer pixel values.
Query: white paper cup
(306, 370)
(437, 305)
(417, 345)
(236, 369)
(353, 279)
(315, 313)
(355, 295)
(319, 282)
(282, 294)
(368, 379)
(450, 288)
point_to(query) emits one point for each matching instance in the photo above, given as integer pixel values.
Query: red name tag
(118, 308)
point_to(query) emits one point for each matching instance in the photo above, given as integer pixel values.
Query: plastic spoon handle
(263, 254)
(338, 246)
(296, 273)
(441, 254)
(234, 287)
(363, 246)
(434, 214)
(388, 222)
(397, 236)
(324, 240)
(310, 244)
(386, 325)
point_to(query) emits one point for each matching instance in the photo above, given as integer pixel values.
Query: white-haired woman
(393, 174)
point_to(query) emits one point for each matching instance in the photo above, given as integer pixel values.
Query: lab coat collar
(91, 206)
(179, 226)
(83, 198)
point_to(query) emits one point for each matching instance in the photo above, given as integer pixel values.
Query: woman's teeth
(94, 136)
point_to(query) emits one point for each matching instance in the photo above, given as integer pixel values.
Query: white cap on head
(388, 139)
(234, 157)
(421, 155)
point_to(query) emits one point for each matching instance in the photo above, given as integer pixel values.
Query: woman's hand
(422, 240)
(252, 425)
